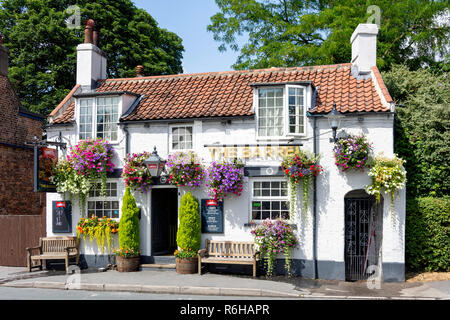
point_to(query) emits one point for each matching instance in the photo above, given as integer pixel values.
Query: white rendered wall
(332, 185)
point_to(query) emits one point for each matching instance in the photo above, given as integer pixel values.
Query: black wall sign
(212, 216)
(62, 217)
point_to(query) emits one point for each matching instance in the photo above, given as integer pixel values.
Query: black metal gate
(359, 238)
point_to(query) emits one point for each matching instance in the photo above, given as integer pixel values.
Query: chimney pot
(88, 31)
(139, 71)
(95, 37)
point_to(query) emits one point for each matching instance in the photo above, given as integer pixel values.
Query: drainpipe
(316, 272)
(127, 139)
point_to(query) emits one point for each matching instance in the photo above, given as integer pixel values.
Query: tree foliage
(316, 32)
(43, 48)
(422, 128)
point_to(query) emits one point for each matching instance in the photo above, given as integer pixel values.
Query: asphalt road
(7, 293)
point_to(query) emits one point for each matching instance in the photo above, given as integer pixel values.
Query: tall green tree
(43, 47)
(314, 32)
(422, 128)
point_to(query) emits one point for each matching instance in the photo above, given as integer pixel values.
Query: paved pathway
(211, 284)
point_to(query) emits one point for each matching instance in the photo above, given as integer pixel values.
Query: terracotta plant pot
(127, 264)
(187, 266)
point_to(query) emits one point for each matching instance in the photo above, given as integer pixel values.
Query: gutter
(216, 118)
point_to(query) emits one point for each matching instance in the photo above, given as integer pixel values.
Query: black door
(164, 217)
(357, 237)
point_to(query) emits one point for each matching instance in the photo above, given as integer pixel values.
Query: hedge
(427, 234)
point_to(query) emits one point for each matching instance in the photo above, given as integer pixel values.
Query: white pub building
(257, 116)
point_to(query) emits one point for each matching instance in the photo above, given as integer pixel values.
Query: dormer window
(98, 118)
(281, 111)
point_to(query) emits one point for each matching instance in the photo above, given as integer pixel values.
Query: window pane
(182, 138)
(265, 215)
(107, 117)
(296, 110)
(270, 111)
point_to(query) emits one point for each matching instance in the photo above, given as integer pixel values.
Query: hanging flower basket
(87, 162)
(135, 173)
(272, 238)
(224, 178)
(387, 175)
(185, 169)
(300, 168)
(352, 152)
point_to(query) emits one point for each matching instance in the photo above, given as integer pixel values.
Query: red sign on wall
(211, 203)
(60, 204)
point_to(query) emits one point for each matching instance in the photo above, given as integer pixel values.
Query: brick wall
(16, 160)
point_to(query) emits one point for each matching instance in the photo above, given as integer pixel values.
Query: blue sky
(188, 19)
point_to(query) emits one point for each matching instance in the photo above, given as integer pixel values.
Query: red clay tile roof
(220, 94)
(67, 116)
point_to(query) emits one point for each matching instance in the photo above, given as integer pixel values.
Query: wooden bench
(228, 252)
(53, 248)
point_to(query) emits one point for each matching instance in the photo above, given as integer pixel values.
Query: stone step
(163, 260)
(153, 266)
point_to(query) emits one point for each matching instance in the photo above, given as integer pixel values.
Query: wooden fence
(16, 233)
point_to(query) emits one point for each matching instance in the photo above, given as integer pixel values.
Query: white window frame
(268, 198)
(171, 127)
(286, 133)
(94, 116)
(105, 198)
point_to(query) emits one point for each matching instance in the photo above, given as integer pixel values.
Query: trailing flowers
(224, 178)
(88, 161)
(135, 173)
(387, 175)
(352, 152)
(99, 229)
(272, 238)
(300, 167)
(185, 169)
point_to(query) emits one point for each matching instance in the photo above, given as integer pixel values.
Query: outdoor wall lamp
(334, 120)
(155, 164)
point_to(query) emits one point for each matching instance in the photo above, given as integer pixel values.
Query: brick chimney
(364, 47)
(91, 61)
(3, 59)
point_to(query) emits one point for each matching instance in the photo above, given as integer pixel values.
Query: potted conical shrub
(188, 235)
(128, 253)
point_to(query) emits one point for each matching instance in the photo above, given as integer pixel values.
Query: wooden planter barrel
(187, 266)
(127, 264)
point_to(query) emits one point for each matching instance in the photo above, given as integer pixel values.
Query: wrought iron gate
(359, 238)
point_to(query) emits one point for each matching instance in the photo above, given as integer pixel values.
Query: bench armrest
(201, 253)
(29, 249)
(68, 249)
(256, 255)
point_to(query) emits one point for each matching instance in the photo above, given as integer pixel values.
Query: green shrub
(427, 234)
(188, 235)
(129, 223)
